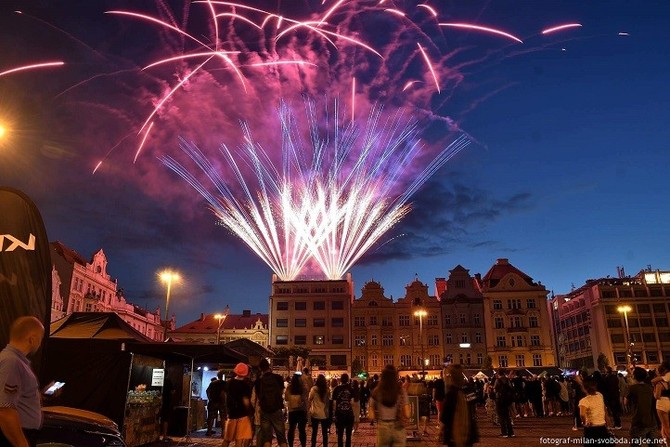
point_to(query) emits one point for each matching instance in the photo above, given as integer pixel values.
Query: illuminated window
(282, 339)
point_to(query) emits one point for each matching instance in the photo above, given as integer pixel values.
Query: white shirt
(593, 405)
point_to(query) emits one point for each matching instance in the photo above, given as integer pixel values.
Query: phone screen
(53, 388)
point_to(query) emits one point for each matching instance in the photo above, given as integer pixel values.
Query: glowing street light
(421, 313)
(168, 277)
(624, 310)
(221, 318)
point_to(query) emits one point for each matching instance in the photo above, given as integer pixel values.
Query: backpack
(270, 390)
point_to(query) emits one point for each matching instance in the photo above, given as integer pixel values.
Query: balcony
(511, 330)
(516, 311)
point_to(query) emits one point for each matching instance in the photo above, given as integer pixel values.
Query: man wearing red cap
(238, 425)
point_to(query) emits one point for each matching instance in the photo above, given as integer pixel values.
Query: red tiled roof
(501, 268)
(68, 254)
(208, 324)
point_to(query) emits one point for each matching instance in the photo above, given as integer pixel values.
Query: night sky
(566, 174)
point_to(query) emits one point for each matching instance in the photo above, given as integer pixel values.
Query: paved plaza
(528, 432)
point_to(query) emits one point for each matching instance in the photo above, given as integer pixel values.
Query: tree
(488, 363)
(603, 362)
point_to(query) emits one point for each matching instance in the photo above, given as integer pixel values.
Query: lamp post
(421, 313)
(624, 310)
(221, 318)
(168, 276)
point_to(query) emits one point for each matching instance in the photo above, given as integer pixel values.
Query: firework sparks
(32, 67)
(430, 66)
(561, 28)
(429, 8)
(484, 29)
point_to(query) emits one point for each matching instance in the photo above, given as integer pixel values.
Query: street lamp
(221, 318)
(421, 313)
(168, 276)
(624, 310)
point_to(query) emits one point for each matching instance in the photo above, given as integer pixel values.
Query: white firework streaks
(330, 200)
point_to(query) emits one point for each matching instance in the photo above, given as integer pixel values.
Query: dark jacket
(449, 412)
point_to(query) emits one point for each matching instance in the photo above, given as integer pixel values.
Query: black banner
(25, 266)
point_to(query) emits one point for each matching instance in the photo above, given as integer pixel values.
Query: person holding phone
(20, 407)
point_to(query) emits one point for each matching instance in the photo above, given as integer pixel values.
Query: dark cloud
(447, 215)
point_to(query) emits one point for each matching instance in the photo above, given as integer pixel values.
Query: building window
(282, 322)
(387, 321)
(478, 337)
(405, 360)
(301, 305)
(461, 318)
(337, 322)
(403, 340)
(300, 322)
(282, 305)
(480, 358)
(89, 307)
(403, 320)
(460, 284)
(532, 321)
(388, 359)
(448, 339)
(338, 339)
(514, 303)
(359, 340)
(319, 322)
(500, 341)
(447, 320)
(435, 360)
(337, 305)
(338, 360)
(300, 339)
(517, 341)
(502, 361)
(476, 319)
(464, 338)
(373, 320)
(537, 359)
(652, 357)
(282, 339)
(359, 321)
(432, 320)
(374, 360)
(497, 304)
(373, 340)
(535, 340)
(361, 360)
(530, 303)
(520, 360)
(387, 340)
(515, 321)
(319, 339)
(433, 340)
(499, 322)
(319, 305)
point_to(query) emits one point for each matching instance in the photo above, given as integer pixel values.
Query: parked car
(71, 427)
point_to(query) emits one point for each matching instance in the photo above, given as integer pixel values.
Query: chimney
(502, 261)
(246, 313)
(202, 317)
(478, 277)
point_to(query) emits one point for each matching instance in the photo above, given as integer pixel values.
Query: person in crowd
(579, 394)
(270, 391)
(640, 400)
(662, 394)
(389, 407)
(296, 401)
(238, 407)
(318, 404)
(333, 384)
(534, 394)
(613, 397)
(519, 407)
(592, 411)
(563, 396)
(307, 381)
(167, 400)
(342, 411)
(20, 401)
(372, 383)
(356, 403)
(438, 394)
(490, 404)
(365, 396)
(623, 392)
(504, 399)
(459, 419)
(552, 392)
(216, 401)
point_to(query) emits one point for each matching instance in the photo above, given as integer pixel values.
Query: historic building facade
(85, 286)
(315, 315)
(462, 303)
(516, 319)
(624, 318)
(406, 333)
(209, 329)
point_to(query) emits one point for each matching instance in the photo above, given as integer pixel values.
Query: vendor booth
(111, 369)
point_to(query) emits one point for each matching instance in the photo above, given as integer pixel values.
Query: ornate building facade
(517, 323)
(406, 333)
(462, 305)
(624, 318)
(316, 315)
(85, 286)
(209, 329)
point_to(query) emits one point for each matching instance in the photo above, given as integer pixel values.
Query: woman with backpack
(458, 415)
(296, 401)
(318, 402)
(389, 406)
